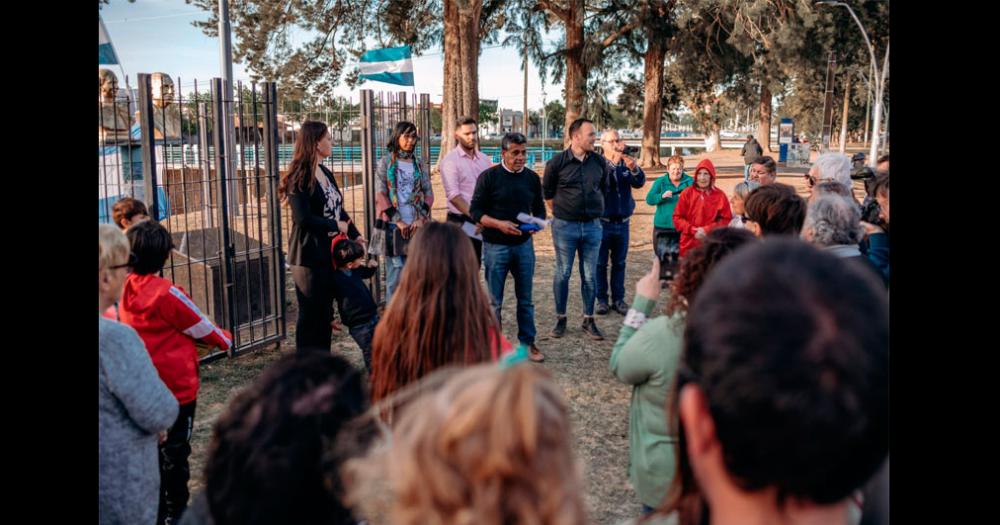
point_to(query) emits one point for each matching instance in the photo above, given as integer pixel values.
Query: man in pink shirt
(460, 170)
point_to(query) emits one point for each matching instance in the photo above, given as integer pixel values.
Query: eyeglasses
(132, 260)
(810, 180)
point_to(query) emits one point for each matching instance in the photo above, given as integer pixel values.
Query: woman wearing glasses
(403, 198)
(134, 406)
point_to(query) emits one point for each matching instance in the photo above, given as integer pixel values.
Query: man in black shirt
(502, 192)
(573, 186)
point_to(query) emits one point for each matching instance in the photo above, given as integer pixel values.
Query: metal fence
(215, 185)
(214, 193)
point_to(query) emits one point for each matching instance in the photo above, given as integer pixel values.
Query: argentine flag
(106, 50)
(391, 65)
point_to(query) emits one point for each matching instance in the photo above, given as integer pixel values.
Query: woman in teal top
(664, 195)
(646, 356)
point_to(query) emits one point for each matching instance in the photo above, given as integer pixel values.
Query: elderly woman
(403, 198)
(738, 201)
(134, 406)
(833, 223)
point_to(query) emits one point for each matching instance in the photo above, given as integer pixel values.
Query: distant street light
(878, 78)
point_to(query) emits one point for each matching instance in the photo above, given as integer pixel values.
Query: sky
(157, 36)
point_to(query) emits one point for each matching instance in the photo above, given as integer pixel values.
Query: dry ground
(598, 403)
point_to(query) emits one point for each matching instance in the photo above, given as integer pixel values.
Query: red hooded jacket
(698, 208)
(168, 322)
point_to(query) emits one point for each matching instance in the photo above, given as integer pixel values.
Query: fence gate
(216, 194)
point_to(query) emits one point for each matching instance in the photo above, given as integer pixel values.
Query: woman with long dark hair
(317, 216)
(403, 198)
(442, 315)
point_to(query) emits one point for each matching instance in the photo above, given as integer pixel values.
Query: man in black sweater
(502, 192)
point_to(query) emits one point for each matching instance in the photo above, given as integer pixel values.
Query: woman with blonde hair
(134, 406)
(440, 315)
(491, 446)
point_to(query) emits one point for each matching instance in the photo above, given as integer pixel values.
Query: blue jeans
(393, 269)
(614, 243)
(571, 238)
(519, 261)
(746, 172)
(362, 335)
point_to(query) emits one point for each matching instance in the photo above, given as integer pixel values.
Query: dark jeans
(520, 262)
(174, 469)
(667, 247)
(363, 334)
(477, 245)
(314, 293)
(614, 244)
(571, 238)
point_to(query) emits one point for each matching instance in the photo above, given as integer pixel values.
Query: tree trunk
(843, 116)
(461, 67)
(652, 110)
(576, 70)
(714, 137)
(764, 124)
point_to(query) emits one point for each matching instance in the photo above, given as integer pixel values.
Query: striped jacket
(168, 322)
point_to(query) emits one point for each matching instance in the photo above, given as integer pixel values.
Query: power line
(145, 18)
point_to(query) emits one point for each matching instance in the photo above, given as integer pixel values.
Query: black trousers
(476, 244)
(174, 469)
(314, 293)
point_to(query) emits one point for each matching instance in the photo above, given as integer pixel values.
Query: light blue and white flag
(107, 51)
(391, 65)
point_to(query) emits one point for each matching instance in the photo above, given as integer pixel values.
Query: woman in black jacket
(317, 216)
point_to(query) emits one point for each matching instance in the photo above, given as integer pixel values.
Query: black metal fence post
(273, 201)
(205, 164)
(424, 124)
(147, 144)
(404, 110)
(221, 171)
(368, 173)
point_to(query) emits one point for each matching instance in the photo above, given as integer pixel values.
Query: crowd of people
(760, 394)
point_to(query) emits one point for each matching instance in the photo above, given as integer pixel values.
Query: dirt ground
(598, 403)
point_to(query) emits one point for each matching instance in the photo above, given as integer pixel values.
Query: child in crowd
(128, 211)
(169, 323)
(739, 198)
(354, 301)
(125, 213)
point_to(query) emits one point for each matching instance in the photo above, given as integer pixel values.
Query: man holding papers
(502, 193)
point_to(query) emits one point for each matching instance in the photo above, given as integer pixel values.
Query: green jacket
(664, 217)
(648, 358)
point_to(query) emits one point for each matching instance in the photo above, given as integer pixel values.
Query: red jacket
(169, 323)
(698, 208)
